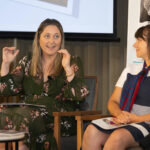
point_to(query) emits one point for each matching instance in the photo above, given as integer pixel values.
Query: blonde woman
(50, 78)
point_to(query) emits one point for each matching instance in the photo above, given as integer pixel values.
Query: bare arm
(136, 118)
(4, 69)
(120, 115)
(114, 102)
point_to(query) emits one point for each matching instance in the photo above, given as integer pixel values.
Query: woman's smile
(51, 47)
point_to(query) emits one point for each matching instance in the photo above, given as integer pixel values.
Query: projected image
(76, 16)
(57, 2)
(145, 10)
(68, 7)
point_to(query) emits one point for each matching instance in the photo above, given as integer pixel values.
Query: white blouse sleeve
(122, 78)
(133, 69)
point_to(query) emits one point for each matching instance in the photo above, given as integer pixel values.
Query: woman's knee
(121, 138)
(114, 141)
(122, 135)
(90, 132)
(94, 136)
(117, 135)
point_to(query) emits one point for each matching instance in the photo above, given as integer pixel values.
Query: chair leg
(16, 145)
(6, 145)
(13, 145)
(57, 131)
(79, 132)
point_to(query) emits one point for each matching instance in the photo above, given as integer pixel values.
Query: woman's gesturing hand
(66, 64)
(66, 58)
(9, 54)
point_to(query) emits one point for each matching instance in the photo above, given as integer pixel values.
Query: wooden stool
(9, 136)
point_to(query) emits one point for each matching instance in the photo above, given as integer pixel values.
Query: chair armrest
(76, 113)
(91, 117)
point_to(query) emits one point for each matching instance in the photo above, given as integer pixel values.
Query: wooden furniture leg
(57, 131)
(79, 131)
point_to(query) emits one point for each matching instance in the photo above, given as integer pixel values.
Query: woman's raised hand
(9, 54)
(66, 64)
(66, 58)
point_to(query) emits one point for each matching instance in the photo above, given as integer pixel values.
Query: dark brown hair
(144, 33)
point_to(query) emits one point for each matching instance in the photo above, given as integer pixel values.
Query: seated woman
(129, 103)
(50, 78)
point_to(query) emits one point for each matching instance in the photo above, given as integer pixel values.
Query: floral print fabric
(56, 94)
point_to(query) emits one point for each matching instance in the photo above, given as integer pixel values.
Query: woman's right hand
(9, 54)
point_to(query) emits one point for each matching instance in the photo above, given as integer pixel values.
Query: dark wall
(101, 58)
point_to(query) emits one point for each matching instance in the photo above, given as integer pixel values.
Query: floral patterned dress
(56, 94)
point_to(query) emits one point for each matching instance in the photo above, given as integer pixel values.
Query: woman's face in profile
(141, 48)
(50, 40)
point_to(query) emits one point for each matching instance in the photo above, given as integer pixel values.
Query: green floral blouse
(56, 94)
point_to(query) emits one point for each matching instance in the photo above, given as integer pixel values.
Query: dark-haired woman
(129, 103)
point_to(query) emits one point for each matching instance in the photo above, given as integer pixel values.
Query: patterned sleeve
(76, 89)
(11, 84)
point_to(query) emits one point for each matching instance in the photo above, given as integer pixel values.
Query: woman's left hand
(126, 117)
(133, 117)
(66, 58)
(66, 64)
(122, 118)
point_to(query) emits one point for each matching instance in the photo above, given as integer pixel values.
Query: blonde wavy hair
(36, 60)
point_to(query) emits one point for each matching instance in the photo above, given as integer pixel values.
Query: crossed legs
(120, 139)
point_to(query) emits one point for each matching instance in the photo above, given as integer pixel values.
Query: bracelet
(69, 75)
